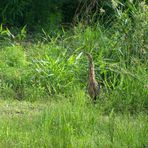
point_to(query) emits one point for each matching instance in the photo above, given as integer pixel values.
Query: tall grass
(56, 65)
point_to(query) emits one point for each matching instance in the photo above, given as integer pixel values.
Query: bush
(13, 69)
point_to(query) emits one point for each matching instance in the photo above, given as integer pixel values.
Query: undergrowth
(56, 65)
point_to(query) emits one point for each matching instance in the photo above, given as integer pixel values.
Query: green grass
(43, 97)
(68, 123)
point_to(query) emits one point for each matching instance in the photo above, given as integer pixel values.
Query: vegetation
(43, 77)
(68, 124)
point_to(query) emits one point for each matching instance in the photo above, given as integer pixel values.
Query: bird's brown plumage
(93, 86)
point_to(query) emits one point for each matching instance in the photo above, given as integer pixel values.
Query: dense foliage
(51, 14)
(56, 65)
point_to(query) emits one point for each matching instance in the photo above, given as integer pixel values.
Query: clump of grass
(13, 64)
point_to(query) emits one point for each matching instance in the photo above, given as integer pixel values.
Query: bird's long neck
(91, 67)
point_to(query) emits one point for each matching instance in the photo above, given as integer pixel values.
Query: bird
(93, 85)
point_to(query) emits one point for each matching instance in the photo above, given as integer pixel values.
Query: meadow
(43, 85)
